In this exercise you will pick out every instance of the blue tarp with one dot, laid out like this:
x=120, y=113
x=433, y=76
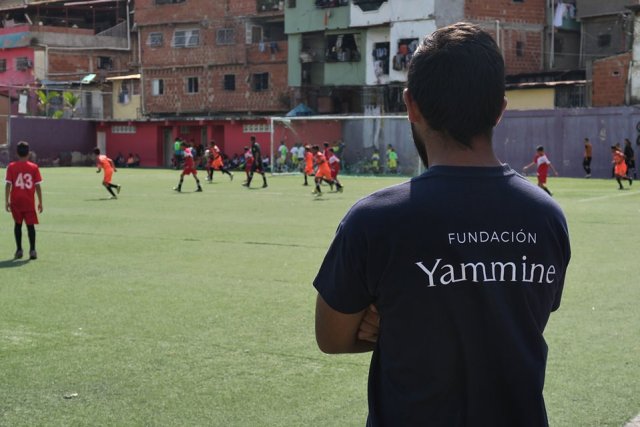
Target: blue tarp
x=301, y=110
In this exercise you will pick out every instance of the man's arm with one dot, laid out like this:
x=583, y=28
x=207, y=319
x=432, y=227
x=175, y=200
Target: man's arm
x=39, y=194
x=7, y=191
x=338, y=332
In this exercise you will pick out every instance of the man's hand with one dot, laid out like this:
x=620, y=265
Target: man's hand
x=39, y=207
x=370, y=325
x=7, y=206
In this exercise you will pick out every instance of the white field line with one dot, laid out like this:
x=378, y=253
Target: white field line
x=609, y=196
x=634, y=422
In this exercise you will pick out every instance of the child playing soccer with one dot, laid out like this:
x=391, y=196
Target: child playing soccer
x=22, y=181
x=542, y=162
x=106, y=164
x=188, y=168
x=620, y=167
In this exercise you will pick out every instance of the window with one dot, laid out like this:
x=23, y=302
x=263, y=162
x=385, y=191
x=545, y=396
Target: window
x=519, y=49
x=255, y=128
x=402, y=57
x=331, y=3
x=342, y=48
x=229, y=82
x=159, y=2
x=23, y=63
x=225, y=36
x=123, y=129
x=155, y=40
x=604, y=40
x=260, y=81
x=291, y=4
x=157, y=87
x=381, y=53
x=3, y=65
x=368, y=5
x=192, y=85
x=268, y=5
x=186, y=38
x=105, y=63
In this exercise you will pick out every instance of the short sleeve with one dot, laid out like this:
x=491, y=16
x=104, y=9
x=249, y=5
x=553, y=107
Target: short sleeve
x=9, y=176
x=341, y=280
x=37, y=177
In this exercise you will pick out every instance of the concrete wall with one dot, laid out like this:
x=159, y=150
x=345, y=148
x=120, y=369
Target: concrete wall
x=407, y=30
x=306, y=17
x=52, y=139
x=375, y=35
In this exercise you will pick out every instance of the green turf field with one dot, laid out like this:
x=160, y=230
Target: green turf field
x=187, y=309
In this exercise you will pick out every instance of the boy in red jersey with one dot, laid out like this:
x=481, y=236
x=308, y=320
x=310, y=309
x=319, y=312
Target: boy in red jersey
x=323, y=172
x=106, y=164
x=620, y=166
x=248, y=163
x=334, y=165
x=188, y=168
x=22, y=182
x=543, y=163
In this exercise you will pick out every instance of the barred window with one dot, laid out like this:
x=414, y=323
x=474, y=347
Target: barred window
x=225, y=36
x=186, y=38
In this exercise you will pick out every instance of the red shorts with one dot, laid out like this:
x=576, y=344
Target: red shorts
x=542, y=178
x=189, y=171
x=29, y=217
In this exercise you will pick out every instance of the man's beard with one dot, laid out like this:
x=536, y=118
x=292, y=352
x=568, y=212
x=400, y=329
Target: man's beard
x=419, y=143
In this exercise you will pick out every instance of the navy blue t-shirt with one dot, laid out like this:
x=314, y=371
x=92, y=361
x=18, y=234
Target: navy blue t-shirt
x=464, y=264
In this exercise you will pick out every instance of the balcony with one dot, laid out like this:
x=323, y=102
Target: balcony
x=270, y=5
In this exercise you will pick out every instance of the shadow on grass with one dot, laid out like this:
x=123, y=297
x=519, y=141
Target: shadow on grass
x=104, y=199
x=13, y=263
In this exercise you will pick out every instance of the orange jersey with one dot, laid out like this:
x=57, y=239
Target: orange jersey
x=323, y=165
x=308, y=163
x=104, y=162
x=216, y=162
x=618, y=157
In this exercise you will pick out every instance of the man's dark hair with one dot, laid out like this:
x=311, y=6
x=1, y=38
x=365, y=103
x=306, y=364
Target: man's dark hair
x=456, y=77
x=22, y=149
x=96, y=151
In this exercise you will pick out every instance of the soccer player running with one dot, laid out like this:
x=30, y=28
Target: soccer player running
x=453, y=298
x=308, y=163
x=188, y=168
x=256, y=167
x=323, y=172
x=619, y=167
x=22, y=182
x=105, y=164
x=543, y=164
x=586, y=160
x=216, y=163
x=334, y=166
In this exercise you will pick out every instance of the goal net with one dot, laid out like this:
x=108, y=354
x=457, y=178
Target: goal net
x=366, y=145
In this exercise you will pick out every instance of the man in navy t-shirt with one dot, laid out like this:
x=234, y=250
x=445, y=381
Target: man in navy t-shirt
x=451, y=277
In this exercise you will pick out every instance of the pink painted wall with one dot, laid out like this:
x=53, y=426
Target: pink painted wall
x=14, y=77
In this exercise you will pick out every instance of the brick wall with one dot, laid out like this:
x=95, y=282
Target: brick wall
x=211, y=60
x=610, y=80
x=73, y=65
x=521, y=30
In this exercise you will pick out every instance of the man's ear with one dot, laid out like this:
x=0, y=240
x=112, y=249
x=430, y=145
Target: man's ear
x=504, y=107
x=412, y=108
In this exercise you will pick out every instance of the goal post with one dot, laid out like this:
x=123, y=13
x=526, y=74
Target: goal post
x=357, y=140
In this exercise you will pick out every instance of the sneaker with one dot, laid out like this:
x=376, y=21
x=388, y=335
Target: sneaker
x=18, y=254
x=113, y=197
x=231, y=177
x=33, y=255
x=245, y=184
x=176, y=189
x=340, y=189
x=118, y=189
x=588, y=175
x=199, y=189
x=264, y=185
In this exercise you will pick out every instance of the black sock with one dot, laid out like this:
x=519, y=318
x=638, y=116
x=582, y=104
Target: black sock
x=112, y=185
x=31, y=232
x=264, y=179
x=619, y=182
x=547, y=190
x=108, y=187
x=17, y=232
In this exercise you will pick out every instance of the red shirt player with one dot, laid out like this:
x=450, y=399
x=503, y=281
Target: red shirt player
x=248, y=162
x=22, y=182
x=543, y=164
x=188, y=168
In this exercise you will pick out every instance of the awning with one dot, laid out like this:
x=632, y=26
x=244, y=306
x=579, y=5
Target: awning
x=127, y=77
